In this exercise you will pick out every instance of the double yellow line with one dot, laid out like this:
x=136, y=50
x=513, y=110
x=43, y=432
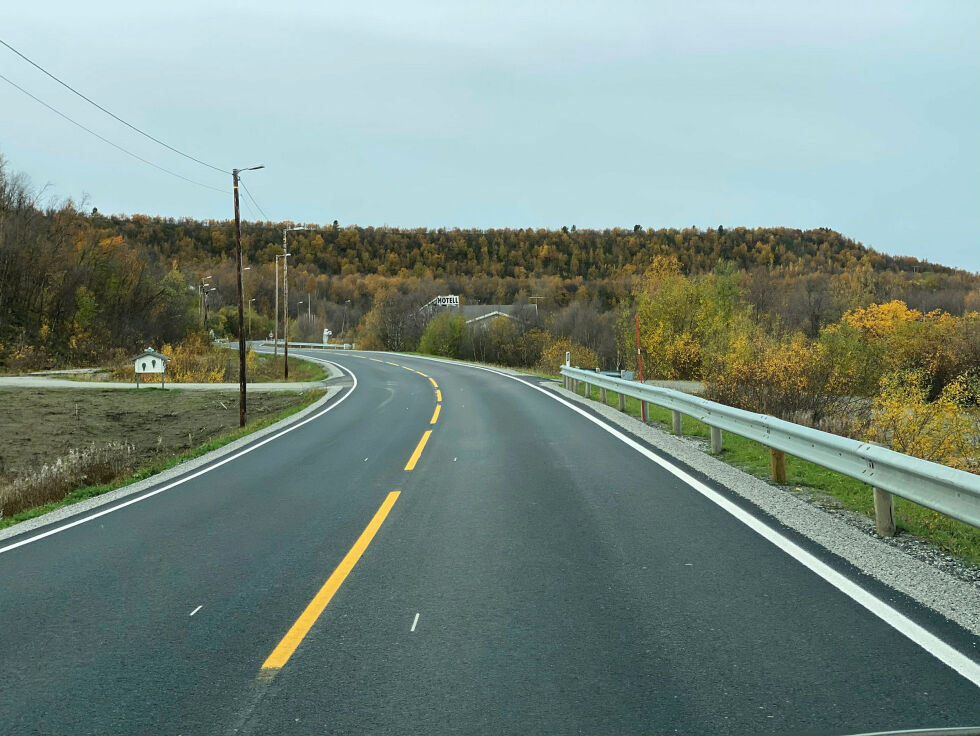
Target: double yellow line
x=298, y=631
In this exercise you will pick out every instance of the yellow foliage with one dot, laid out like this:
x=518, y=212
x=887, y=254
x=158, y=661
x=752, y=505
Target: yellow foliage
x=880, y=320
x=195, y=360
x=553, y=356
x=902, y=418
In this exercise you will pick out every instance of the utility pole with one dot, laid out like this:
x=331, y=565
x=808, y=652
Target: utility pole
x=241, y=299
x=285, y=303
x=275, y=339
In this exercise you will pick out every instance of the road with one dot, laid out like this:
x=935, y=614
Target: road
x=531, y=573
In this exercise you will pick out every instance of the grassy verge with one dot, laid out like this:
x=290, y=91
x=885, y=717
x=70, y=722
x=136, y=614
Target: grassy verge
x=950, y=535
x=161, y=464
x=268, y=369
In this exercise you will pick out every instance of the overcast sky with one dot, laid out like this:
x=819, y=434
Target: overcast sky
x=859, y=116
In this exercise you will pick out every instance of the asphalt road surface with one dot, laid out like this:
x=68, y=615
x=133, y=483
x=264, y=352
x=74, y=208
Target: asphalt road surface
x=531, y=573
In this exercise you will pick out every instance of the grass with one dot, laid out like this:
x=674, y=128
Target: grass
x=158, y=466
x=268, y=369
x=952, y=536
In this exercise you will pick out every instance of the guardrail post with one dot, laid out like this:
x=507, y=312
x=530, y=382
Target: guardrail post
x=643, y=410
x=676, y=417
x=588, y=390
x=715, y=440
x=602, y=394
x=622, y=401
x=777, y=461
x=884, y=512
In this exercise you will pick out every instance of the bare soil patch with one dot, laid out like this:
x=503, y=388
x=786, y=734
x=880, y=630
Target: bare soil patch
x=38, y=426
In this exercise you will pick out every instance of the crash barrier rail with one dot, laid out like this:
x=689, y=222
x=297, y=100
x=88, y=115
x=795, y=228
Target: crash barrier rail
x=314, y=345
x=952, y=492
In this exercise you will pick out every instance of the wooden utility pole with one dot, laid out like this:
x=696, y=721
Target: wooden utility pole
x=241, y=312
x=242, y=414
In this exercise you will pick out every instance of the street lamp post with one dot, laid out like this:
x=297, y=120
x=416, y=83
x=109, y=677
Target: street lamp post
x=206, y=292
x=275, y=340
x=285, y=302
x=201, y=291
x=241, y=298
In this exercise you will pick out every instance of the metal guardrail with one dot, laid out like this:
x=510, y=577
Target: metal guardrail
x=952, y=492
x=315, y=345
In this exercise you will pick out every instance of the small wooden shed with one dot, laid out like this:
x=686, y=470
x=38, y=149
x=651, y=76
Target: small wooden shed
x=150, y=361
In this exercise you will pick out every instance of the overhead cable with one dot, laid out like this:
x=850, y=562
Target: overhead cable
x=242, y=184
x=110, y=114
x=106, y=140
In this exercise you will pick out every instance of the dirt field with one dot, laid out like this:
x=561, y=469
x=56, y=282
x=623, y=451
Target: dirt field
x=38, y=426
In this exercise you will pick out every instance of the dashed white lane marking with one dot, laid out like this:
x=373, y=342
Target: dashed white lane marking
x=415, y=622
x=196, y=610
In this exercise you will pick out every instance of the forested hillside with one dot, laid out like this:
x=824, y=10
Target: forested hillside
x=75, y=284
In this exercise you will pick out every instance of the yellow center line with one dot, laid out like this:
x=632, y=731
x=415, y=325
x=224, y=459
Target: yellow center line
x=434, y=384
x=418, y=450
x=376, y=360
x=408, y=369
x=394, y=364
x=284, y=650
x=438, y=395
x=435, y=414
x=424, y=375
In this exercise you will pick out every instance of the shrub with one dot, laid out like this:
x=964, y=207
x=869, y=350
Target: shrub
x=553, y=356
x=443, y=335
x=86, y=467
x=903, y=419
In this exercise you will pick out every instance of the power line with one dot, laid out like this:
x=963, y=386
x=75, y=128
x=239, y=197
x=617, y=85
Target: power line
x=242, y=185
x=107, y=112
x=106, y=140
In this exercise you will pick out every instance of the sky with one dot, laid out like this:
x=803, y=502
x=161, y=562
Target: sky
x=859, y=116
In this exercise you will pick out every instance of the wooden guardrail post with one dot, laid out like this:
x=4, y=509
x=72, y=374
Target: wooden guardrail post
x=716, y=440
x=676, y=421
x=777, y=461
x=884, y=512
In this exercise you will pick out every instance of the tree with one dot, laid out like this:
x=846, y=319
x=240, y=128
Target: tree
x=443, y=335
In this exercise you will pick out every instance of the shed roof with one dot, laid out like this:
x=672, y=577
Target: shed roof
x=149, y=353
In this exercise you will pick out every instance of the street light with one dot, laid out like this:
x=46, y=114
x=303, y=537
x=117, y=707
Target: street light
x=200, y=295
x=205, y=296
x=285, y=302
x=241, y=297
x=275, y=340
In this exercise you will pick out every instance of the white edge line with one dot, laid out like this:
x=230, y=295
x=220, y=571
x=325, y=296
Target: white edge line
x=197, y=474
x=935, y=646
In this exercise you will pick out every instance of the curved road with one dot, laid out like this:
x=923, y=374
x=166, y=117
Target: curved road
x=531, y=573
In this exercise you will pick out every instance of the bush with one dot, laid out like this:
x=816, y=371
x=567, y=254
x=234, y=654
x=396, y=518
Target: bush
x=553, y=356
x=443, y=335
x=903, y=419
x=86, y=467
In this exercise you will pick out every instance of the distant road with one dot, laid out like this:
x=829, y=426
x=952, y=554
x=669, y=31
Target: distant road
x=518, y=570
x=42, y=382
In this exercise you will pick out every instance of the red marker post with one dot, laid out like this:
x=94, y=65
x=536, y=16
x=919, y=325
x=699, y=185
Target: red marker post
x=639, y=365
